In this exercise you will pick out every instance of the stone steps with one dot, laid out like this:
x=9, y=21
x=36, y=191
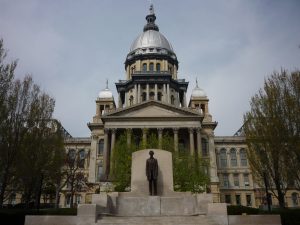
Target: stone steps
x=159, y=220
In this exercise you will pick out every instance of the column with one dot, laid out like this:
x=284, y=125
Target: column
x=199, y=143
x=105, y=154
x=136, y=94
x=164, y=93
x=120, y=105
x=192, y=148
x=168, y=93
x=112, y=145
x=160, y=133
x=139, y=94
x=184, y=99
x=128, y=132
x=155, y=92
x=147, y=92
x=175, y=131
x=145, y=136
x=212, y=158
x=126, y=99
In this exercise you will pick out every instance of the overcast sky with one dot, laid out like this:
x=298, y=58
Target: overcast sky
x=71, y=47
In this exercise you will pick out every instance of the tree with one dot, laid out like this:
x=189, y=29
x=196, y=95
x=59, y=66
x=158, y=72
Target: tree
x=272, y=130
x=74, y=176
x=28, y=143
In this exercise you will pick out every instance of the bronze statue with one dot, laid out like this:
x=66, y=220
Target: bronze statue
x=152, y=173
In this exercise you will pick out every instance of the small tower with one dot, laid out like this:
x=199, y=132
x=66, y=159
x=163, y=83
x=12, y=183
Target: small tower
x=199, y=100
x=104, y=104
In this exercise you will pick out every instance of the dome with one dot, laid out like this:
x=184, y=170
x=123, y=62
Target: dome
x=198, y=92
x=151, y=39
x=106, y=93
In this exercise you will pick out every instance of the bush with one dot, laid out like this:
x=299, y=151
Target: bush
x=288, y=216
x=239, y=210
x=17, y=216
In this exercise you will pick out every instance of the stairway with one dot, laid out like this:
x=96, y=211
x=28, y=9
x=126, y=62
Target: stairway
x=159, y=220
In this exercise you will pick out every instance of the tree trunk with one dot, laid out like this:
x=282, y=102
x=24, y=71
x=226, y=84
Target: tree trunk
x=3, y=186
x=38, y=192
x=2, y=191
x=57, y=190
x=72, y=195
x=280, y=194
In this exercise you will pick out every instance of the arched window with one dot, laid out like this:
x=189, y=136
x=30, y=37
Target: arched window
x=131, y=100
x=233, y=159
x=100, y=147
x=223, y=158
x=151, y=67
x=172, y=100
x=159, y=96
x=151, y=95
x=72, y=154
x=144, y=67
x=158, y=67
x=144, y=96
x=295, y=199
x=81, y=158
x=243, y=156
x=204, y=147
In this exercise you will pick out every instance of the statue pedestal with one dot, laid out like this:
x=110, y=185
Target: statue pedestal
x=181, y=205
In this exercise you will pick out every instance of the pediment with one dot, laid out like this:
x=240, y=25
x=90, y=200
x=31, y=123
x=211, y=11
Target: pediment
x=153, y=109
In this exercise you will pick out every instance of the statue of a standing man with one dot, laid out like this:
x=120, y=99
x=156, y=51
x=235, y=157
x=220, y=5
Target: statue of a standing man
x=152, y=173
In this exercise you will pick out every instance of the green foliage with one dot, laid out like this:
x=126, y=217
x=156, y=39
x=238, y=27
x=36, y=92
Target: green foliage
x=189, y=173
x=121, y=163
x=239, y=210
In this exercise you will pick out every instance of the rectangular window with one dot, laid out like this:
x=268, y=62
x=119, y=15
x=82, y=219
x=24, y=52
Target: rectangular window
x=246, y=180
x=99, y=172
x=238, y=199
x=248, y=199
x=225, y=180
x=236, y=180
x=100, y=147
x=228, y=199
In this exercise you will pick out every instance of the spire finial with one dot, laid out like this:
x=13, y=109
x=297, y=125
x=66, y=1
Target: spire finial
x=151, y=9
x=197, y=82
x=151, y=19
x=106, y=83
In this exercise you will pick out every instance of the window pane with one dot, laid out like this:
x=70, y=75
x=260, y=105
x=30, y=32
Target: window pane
x=228, y=199
x=223, y=158
x=233, y=159
x=101, y=147
x=144, y=67
x=236, y=180
x=225, y=180
x=246, y=180
x=248, y=199
x=151, y=67
x=243, y=156
x=238, y=199
x=158, y=67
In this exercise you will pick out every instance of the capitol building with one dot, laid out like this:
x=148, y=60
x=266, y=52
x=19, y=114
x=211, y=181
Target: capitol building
x=152, y=99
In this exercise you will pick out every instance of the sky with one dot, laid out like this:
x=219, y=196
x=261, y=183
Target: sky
x=71, y=47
